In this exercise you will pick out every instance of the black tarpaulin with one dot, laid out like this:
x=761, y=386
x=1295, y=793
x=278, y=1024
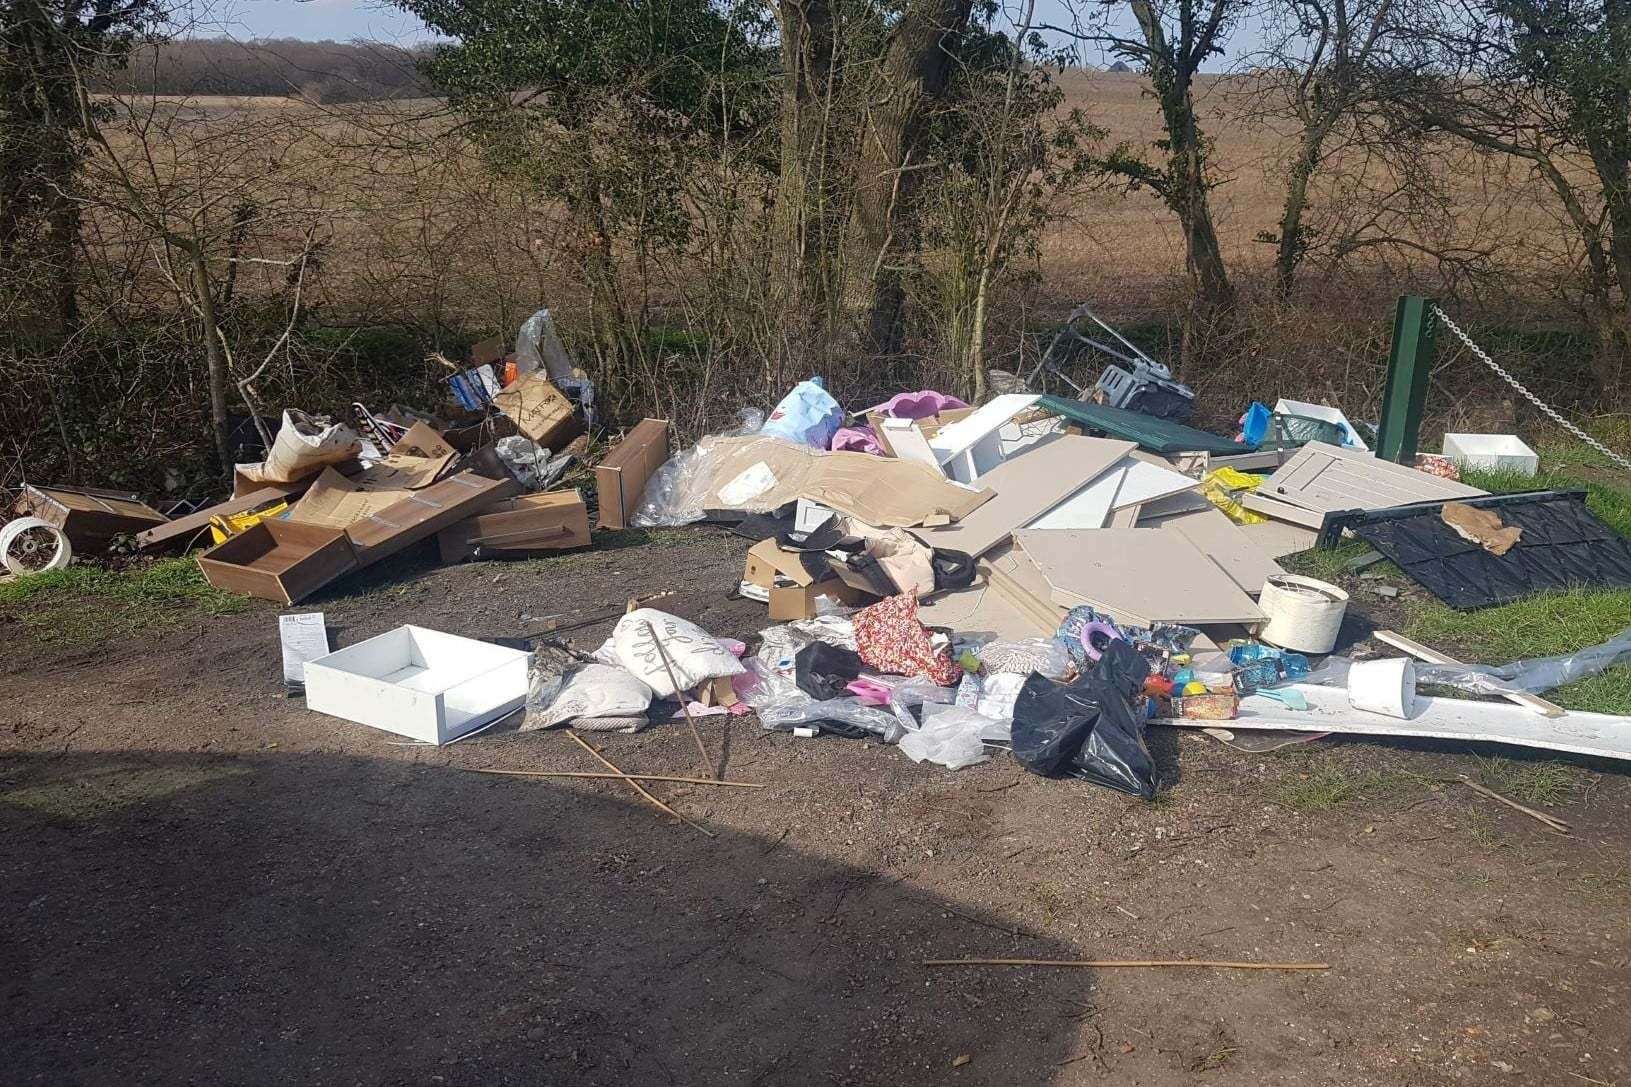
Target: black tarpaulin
x=1563, y=546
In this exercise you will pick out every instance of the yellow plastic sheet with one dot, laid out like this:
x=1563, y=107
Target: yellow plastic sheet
x=223, y=528
x=1221, y=486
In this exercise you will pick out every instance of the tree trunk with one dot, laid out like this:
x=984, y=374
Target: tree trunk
x=204, y=294
x=801, y=245
x=1292, y=243
x=914, y=73
x=1212, y=299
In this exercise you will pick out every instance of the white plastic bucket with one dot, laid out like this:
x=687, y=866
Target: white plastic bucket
x=1304, y=614
x=1383, y=686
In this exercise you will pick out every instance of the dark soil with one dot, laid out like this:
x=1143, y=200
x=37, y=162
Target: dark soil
x=203, y=882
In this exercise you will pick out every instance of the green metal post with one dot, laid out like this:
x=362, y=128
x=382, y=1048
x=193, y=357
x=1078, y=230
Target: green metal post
x=1409, y=365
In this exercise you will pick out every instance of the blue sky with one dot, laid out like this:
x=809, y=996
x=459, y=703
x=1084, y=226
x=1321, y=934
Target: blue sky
x=374, y=20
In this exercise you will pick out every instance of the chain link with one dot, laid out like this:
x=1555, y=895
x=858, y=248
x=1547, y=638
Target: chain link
x=1505, y=375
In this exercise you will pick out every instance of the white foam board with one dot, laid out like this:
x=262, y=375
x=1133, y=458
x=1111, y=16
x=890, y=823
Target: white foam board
x=1601, y=734
x=420, y=683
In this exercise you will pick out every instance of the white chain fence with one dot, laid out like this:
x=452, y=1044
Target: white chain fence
x=1505, y=375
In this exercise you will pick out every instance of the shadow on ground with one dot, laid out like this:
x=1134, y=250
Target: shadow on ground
x=316, y=918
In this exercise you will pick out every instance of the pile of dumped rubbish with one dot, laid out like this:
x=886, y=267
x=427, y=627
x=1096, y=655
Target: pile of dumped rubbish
x=1035, y=574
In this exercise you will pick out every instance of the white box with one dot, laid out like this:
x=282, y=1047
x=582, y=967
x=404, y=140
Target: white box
x=1325, y=413
x=419, y=683
x=1492, y=452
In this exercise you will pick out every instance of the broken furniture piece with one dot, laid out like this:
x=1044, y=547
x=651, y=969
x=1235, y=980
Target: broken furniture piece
x=419, y=683
x=518, y=528
x=90, y=517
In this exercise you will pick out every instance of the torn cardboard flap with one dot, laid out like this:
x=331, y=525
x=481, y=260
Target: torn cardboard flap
x=539, y=409
x=766, y=562
x=414, y=462
x=334, y=501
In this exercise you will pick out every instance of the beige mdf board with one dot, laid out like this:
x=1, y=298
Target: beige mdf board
x=1278, y=539
x=1026, y=486
x=1222, y=541
x=279, y=560
x=1326, y=478
x=620, y=478
x=1142, y=574
x=424, y=513
x=1282, y=511
x=514, y=527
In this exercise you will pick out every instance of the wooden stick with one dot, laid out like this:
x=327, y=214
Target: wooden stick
x=636, y=786
x=696, y=734
x=1433, y=656
x=1551, y=821
x=1210, y=964
x=628, y=777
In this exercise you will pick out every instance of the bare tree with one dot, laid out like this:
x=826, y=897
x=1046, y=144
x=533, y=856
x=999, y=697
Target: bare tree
x=1170, y=40
x=1547, y=83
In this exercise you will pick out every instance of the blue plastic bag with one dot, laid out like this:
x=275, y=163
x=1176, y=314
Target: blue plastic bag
x=807, y=415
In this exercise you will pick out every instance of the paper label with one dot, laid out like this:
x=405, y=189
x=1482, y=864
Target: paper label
x=305, y=638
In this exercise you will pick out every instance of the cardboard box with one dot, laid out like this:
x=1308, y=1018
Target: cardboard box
x=794, y=581
x=90, y=517
x=424, y=513
x=800, y=601
x=930, y=425
x=282, y=561
x=419, y=683
x=620, y=479
x=540, y=410
x=516, y=527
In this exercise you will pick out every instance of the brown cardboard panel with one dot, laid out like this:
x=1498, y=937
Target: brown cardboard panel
x=90, y=517
x=424, y=513
x=337, y=502
x=552, y=521
x=278, y=560
x=620, y=478
x=540, y=410
x=1025, y=486
x=414, y=462
x=1144, y=575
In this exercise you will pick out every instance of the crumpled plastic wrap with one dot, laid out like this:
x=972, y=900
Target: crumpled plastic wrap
x=673, y=495
x=950, y=736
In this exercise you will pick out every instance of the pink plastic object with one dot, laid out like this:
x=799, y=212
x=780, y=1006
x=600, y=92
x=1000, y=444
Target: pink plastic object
x=919, y=405
x=856, y=439
x=869, y=691
x=1110, y=634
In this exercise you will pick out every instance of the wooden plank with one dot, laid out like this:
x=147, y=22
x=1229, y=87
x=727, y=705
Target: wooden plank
x=1281, y=511
x=199, y=520
x=1433, y=656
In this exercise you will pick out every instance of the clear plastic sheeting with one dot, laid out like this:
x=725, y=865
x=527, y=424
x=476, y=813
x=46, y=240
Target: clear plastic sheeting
x=1534, y=676
x=538, y=347
x=673, y=495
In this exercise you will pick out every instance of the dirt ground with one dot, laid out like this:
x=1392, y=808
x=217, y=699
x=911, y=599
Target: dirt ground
x=203, y=882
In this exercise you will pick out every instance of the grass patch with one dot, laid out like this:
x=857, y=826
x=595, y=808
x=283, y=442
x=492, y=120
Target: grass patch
x=1325, y=784
x=1540, y=626
x=86, y=603
x=1545, y=783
